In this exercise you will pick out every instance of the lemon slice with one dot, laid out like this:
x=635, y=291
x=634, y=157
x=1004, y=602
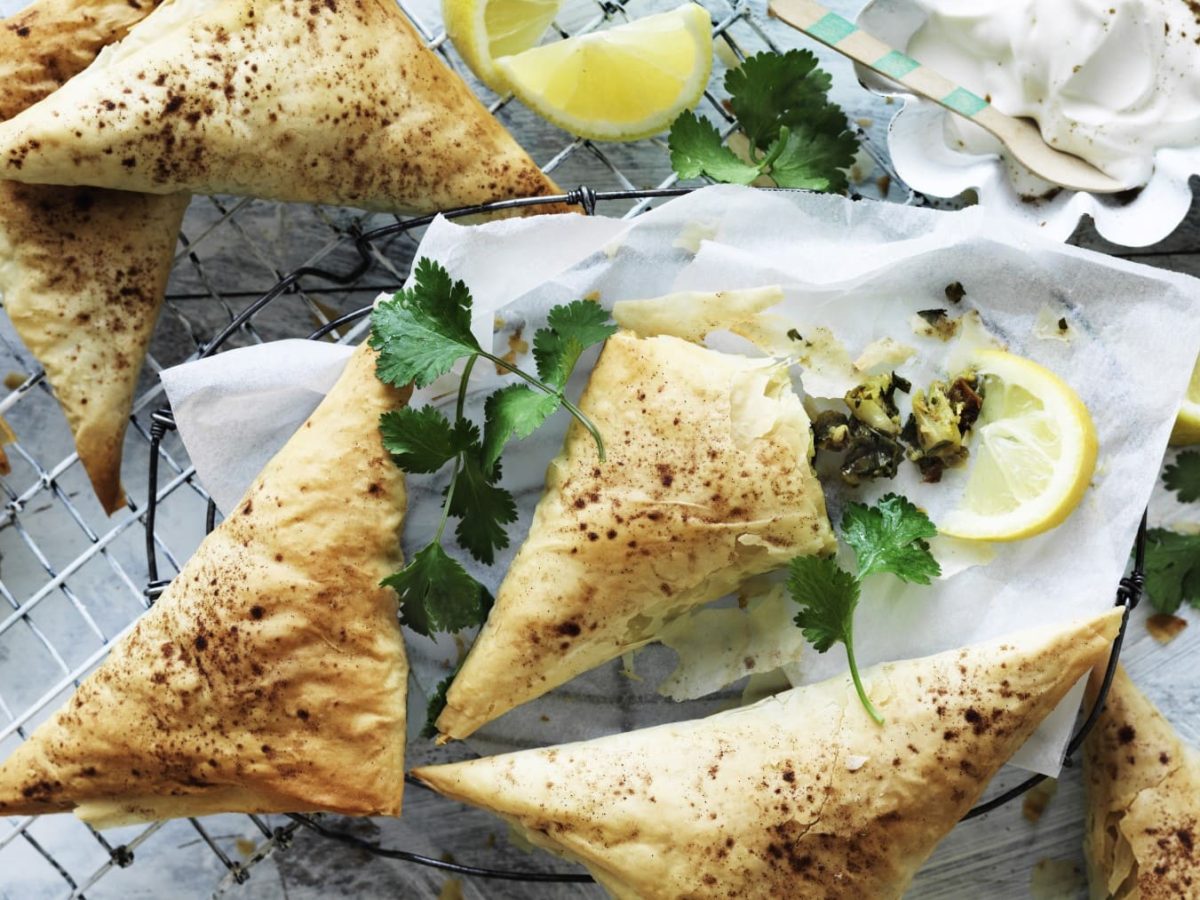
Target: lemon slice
x=622, y=84
x=1187, y=422
x=1032, y=455
x=483, y=30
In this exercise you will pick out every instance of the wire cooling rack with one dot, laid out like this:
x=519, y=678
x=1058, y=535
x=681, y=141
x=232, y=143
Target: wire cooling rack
x=72, y=580
x=279, y=836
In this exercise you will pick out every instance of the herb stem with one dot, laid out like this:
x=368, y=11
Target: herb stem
x=458, y=458
x=776, y=150
x=574, y=410
x=587, y=423
x=858, y=685
x=461, y=403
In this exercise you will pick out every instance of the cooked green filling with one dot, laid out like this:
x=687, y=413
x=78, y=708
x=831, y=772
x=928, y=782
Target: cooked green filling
x=941, y=419
x=874, y=443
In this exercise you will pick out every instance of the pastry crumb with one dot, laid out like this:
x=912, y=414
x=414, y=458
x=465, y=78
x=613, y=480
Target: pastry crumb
x=885, y=352
x=1052, y=325
x=1038, y=798
x=1054, y=879
x=934, y=323
x=1164, y=627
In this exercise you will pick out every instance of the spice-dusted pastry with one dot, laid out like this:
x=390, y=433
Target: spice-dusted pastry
x=800, y=795
x=270, y=676
x=707, y=482
x=335, y=102
x=1143, y=822
x=82, y=271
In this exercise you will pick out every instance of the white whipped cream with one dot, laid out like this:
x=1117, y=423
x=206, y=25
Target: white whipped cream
x=1111, y=81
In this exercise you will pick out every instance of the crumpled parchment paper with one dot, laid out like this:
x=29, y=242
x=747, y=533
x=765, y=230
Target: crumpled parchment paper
x=860, y=270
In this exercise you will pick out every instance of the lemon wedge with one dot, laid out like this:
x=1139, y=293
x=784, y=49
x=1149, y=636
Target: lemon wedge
x=1187, y=422
x=1032, y=456
x=621, y=84
x=483, y=30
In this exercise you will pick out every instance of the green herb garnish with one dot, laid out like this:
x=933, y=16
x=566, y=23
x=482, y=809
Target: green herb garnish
x=1172, y=569
x=437, y=703
x=420, y=334
x=1183, y=476
x=891, y=536
x=796, y=136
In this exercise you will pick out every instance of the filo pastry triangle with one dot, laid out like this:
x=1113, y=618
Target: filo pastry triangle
x=82, y=271
x=335, y=102
x=1143, y=783
x=707, y=482
x=801, y=795
x=271, y=674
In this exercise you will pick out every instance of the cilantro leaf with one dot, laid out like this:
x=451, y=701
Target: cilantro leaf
x=437, y=594
x=827, y=595
x=422, y=331
x=437, y=702
x=1183, y=476
x=514, y=411
x=782, y=107
x=696, y=150
x=1172, y=569
x=891, y=537
x=421, y=440
x=483, y=509
x=773, y=89
x=570, y=329
x=887, y=537
x=812, y=159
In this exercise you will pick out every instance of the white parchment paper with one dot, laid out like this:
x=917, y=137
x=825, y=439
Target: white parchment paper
x=859, y=269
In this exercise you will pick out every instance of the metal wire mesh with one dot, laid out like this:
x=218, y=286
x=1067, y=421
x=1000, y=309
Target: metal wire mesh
x=72, y=581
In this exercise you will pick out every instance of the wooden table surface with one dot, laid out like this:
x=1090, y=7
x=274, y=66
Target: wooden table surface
x=991, y=857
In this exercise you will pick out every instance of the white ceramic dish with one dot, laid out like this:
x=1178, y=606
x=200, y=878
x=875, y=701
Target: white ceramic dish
x=926, y=163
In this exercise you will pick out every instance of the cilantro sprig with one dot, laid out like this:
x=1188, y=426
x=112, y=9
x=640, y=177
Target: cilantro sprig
x=1172, y=557
x=1183, y=476
x=420, y=334
x=1172, y=569
x=796, y=136
x=891, y=536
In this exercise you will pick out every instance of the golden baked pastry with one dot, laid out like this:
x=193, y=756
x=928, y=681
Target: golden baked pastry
x=800, y=795
x=1143, y=820
x=335, y=102
x=271, y=674
x=708, y=481
x=49, y=41
x=82, y=271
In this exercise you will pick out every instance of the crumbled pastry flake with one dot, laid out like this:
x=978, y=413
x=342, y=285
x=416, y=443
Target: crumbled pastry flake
x=691, y=315
x=716, y=647
x=1052, y=325
x=935, y=323
x=693, y=234
x=1038, y=798
x=884, y=353
x=1164, y=627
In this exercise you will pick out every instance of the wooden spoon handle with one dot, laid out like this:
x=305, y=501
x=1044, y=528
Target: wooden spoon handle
x=848, y=39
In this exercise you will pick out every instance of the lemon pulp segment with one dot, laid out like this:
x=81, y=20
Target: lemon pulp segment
x=1187, y=422
x=1033, y=454
x=623, y=83
x=484, y=30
